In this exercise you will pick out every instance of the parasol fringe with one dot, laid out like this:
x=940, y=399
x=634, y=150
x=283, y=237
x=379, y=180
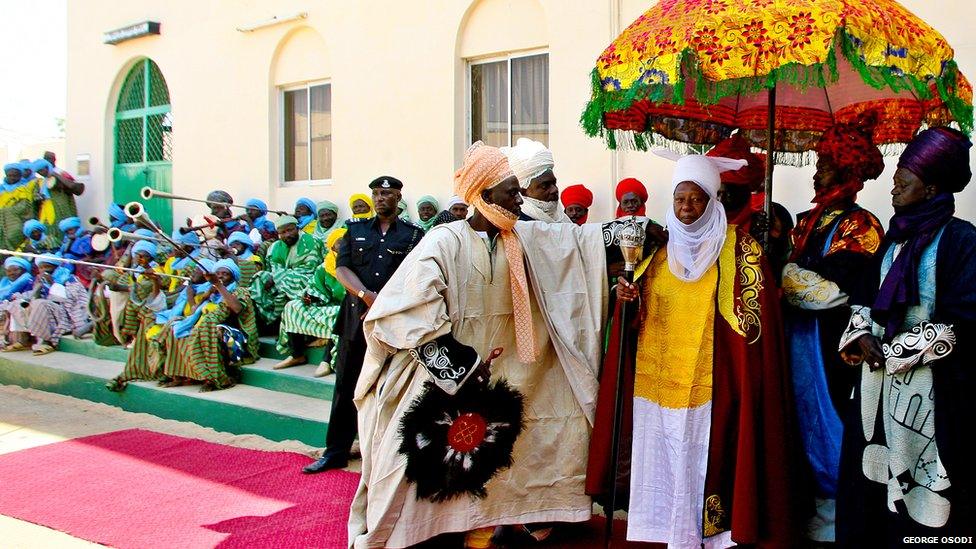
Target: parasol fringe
x=605, y=100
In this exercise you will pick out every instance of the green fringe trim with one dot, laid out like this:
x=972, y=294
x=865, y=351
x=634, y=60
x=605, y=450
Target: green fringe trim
x=795, y=74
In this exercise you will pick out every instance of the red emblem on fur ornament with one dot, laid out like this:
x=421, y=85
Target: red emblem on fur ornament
x=467, y=432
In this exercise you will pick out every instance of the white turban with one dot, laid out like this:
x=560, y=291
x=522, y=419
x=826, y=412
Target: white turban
x=454, y=201
x=694, y=248
x=528, y=159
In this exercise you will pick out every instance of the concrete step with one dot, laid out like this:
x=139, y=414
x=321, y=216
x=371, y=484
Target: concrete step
x=297, y=380
x=241, y=409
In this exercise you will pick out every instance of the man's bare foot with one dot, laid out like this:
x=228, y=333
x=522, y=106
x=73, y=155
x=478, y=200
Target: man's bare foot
x=289, y=362
x=321, y=342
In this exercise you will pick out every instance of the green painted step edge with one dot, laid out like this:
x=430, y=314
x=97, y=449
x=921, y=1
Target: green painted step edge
x=256, y=377
x=222, y=416
x=286, y=383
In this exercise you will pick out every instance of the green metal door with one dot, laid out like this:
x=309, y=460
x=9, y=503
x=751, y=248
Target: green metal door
x=144, y=141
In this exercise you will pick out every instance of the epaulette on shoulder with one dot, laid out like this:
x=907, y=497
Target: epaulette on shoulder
x=357, y=220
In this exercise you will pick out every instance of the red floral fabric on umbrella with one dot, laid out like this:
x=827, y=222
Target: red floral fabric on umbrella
x=693, y=71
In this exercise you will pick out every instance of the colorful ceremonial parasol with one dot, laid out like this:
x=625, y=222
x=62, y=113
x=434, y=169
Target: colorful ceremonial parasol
x=690, y=72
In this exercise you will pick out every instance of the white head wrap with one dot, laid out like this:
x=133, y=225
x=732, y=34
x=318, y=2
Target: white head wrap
x=694, y=248
x=454, y=201
x=528, y=159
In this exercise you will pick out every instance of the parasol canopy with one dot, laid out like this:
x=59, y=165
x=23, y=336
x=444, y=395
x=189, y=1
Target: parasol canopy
x=691, y=72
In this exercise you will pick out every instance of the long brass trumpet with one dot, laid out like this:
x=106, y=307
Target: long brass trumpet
x=148, y=192
x=86, y=263
x=191, y=228
x=138, y=214
x=117, y=235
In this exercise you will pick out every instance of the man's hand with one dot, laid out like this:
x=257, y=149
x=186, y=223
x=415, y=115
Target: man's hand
x=870, y=348
x=482, y=374
x=269, y=284
x=306, y=299
x=626, y=291
x=369, y=297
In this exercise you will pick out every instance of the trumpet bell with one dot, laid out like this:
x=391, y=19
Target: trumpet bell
x=114, y=234
x=135, y=210
x=94, y=221
x=100, y=242
x=146, y=193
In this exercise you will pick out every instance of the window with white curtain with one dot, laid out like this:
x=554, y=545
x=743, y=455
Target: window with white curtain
x=306, y=134
x=509, y=99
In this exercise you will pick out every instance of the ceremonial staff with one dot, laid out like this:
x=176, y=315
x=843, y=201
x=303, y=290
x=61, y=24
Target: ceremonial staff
x=630, y=238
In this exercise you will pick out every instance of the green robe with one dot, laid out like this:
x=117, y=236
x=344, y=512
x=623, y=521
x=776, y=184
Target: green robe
x=16, y=207
x=64, y=207
x=317, y=319
x=291, y=269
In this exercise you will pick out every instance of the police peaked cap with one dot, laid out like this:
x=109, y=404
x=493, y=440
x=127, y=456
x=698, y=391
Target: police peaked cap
x=386, y=182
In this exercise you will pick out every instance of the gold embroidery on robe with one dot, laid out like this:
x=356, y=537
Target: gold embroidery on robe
x=713, y=516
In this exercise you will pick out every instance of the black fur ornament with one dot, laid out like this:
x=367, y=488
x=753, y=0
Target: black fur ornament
x=455, y=444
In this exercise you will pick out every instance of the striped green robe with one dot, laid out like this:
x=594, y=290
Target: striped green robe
x=64, y=207
x=199, y=356
x=249, y=267
x=291, y=269
x=316, y=320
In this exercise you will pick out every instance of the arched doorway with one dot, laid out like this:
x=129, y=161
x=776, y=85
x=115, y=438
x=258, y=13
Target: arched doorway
x=144, y=140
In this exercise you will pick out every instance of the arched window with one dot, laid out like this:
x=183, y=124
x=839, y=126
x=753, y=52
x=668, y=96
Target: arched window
x=300, y=74
x=144, y=140
x=507, y=72
x=144, y=123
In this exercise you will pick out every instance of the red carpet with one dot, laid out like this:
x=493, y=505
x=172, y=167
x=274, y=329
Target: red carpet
x=146, y=490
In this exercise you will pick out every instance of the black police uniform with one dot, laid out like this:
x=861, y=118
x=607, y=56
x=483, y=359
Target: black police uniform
x=374, y=257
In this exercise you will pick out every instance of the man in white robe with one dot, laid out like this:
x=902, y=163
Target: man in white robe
x=468, y=279
x=533, y=165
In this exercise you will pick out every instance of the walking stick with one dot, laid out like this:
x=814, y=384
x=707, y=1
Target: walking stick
x=631, y=241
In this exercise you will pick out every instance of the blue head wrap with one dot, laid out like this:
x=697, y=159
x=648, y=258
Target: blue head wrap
x=208, y=264
x=15, y=261
x=146, y=247
x=32, y=225
x=47, y=259
x=41, y=164
x=231, y=267
x=117, y=216
x=305, y=219
x=259, y=204
x=145, y=233
x=12, y=166
x=26, y=166
x=189, y=239
x=69, y=223
x=240, y=238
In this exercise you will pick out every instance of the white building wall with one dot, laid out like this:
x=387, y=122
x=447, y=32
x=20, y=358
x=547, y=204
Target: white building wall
x=398, y=77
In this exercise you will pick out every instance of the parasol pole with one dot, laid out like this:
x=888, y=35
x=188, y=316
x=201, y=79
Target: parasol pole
x=771, y=151
x=618, y=413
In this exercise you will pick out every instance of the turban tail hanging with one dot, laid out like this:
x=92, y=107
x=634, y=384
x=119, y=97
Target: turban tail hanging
x=484, y=167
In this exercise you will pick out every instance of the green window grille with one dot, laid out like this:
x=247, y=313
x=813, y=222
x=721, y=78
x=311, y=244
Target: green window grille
x=144, y=123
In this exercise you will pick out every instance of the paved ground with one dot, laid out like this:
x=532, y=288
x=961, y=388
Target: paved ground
x=30, y=418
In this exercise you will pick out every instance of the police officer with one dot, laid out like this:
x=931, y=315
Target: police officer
x=369, y=254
